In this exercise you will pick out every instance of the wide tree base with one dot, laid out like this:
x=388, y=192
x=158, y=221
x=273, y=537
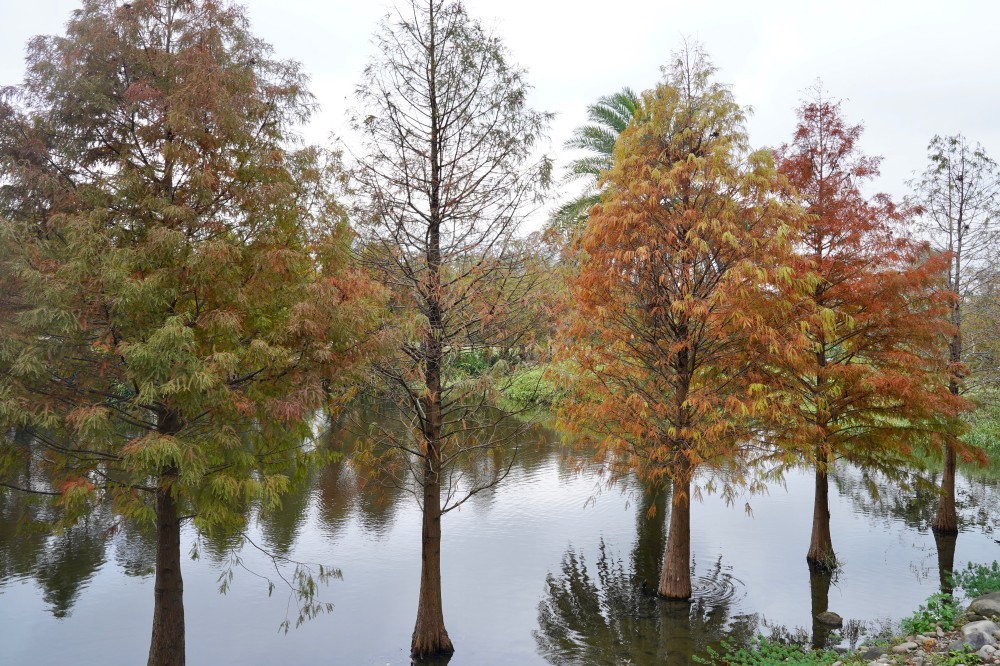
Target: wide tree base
x=675, y=588
x=949, y=529
x=432, y=649
x=821, y=562
x=946, y=518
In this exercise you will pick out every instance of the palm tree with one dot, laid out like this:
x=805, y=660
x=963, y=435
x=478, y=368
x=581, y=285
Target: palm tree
x=608, y=116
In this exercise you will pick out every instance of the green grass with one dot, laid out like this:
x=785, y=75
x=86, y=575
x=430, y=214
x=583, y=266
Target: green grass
x=984, y=426
x=530, y=388
x=764, y=652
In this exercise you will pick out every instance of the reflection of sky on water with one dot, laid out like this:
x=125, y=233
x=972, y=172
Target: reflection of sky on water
x=499, y=551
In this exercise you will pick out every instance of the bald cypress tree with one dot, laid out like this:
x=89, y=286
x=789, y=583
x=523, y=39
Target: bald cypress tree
x=171, y=325
x=447, y=175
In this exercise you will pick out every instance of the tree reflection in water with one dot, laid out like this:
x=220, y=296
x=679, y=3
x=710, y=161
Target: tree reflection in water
x=912, y=499
x=611, y=615
x=62, y=564
x=820, y=579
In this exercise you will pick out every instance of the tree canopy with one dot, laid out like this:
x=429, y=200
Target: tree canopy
x=172, y=330
x=672, y=294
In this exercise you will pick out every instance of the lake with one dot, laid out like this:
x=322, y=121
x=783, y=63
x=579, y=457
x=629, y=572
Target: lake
x=551, y=567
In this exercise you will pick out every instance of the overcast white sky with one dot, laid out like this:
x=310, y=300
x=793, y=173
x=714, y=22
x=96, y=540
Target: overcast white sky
x=907, y=69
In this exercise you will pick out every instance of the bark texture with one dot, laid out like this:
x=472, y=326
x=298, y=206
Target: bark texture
x=167, y=645
x=430, y=638
x=821, y=555
x=946, y=520
x=675, y=578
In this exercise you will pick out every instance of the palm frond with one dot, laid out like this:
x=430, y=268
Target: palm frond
x=609, y=116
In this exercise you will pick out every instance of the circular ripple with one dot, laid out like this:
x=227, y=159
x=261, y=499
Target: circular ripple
x=717, y=586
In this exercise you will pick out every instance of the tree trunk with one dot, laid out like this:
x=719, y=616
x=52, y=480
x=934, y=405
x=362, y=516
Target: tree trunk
x=430, y=638
x=821, y=555
x=675, y=578
x=946, y=520
x=167, y=645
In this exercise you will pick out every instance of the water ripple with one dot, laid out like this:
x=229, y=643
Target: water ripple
x=717, y=587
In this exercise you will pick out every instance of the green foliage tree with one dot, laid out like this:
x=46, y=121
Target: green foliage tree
x=447, y=175
x=172, y=330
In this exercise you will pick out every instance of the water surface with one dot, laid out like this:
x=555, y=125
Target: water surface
x=548, y=568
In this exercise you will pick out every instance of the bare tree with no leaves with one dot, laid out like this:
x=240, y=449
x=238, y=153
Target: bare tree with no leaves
x=446, y=177
x=959, y=194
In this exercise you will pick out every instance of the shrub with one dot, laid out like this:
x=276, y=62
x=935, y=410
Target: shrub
x=765, y=652
x=939, y=609
x=978, y=579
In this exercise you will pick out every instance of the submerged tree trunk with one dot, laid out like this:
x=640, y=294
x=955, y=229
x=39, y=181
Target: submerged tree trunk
x=821, y=555
x=430, y=638
x=675, y=578
x=167, y=645
x=946, y=520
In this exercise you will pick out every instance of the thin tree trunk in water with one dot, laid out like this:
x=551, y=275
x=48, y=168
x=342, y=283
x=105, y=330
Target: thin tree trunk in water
x=821, y=555
x=430, y=638
x=675, y=578
x=167, y=645
x=946, y=520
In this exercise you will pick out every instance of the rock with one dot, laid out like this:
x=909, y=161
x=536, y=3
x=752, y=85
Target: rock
x=920, y=638
x=837, y=663
x=874, y=652
x=987, y=605
x=830, y=618
x=956, y=646
x=903, y=648
x=978, y=634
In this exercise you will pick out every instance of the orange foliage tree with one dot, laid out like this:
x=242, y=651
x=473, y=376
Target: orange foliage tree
x=871, y=379
x=672, y=296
